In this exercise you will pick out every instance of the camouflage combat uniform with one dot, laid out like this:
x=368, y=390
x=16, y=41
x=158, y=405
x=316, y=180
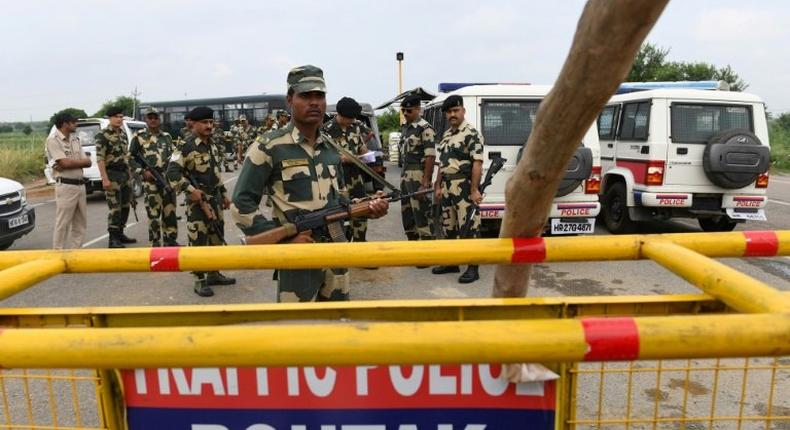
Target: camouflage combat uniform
x=295, y=176
x=201, y=160
x=458, y=149
x=416, y=144
x=111, y=147
x=353, y=140
x=243, y=139
x=159, y=204
x=218, y=137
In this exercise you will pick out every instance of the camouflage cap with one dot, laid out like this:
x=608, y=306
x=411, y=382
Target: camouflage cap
x=151, y=111
x=307, y=78
x=242, y=117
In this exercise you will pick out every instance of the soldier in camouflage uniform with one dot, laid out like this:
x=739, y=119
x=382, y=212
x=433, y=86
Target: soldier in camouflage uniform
x=350, y=134
x=457, y=185
x=243, y=138
x=417, y=147
x=112, y=157
x=282, y=118
x=266, y=126
x=198, y=157
x=185, y=131
x=156, y=146
x=298, y=169
x=219, y=138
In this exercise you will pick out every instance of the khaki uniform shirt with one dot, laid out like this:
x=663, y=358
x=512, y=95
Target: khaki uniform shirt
x=59, y=147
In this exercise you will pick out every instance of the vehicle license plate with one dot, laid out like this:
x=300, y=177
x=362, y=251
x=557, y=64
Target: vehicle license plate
x=18, y=221
x=758, y=215
x=560, y=226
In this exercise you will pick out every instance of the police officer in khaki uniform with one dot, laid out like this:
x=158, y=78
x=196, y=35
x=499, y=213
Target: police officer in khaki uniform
x=458, y=182
x=195, y=169
x=112, y=157
x=71, y=212
x=298, y=169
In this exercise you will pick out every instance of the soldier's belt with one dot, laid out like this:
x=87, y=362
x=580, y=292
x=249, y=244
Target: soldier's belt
x=453, y=176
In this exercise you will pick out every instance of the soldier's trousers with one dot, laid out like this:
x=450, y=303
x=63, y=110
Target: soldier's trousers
x=359, y=226
x=161, y=209
x=312, y=285
x=415, y=213
x=119, y=199
x=199, y=232
x=456, y=207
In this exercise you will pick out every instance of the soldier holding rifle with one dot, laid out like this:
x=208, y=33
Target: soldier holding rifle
x=298, y=167
x=195, y=168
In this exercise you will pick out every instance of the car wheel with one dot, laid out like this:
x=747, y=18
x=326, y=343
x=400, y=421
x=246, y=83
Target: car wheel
x=137, y=186
x=615, y=210
x=5, y=245
x=722, y=223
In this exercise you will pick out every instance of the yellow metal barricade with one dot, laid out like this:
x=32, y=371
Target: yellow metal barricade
x=681, y=367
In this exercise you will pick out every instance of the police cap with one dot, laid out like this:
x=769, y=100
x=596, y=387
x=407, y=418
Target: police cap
x=451, y=102
x=410, y=101
x=200, y=113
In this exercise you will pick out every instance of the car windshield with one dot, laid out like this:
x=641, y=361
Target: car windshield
x=698, y=123
x=87, y=133
x=508, y=122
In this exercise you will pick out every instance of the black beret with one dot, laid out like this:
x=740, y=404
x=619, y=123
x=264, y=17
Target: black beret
x=410, y=101
x=114, y=110
x=348, y=107
x=451, y=102
x=200, y=113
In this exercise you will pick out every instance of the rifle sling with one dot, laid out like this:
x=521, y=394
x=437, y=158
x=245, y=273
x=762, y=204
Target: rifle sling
x=362, y=166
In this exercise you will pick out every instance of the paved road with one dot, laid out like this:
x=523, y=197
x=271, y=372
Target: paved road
x=594, y=278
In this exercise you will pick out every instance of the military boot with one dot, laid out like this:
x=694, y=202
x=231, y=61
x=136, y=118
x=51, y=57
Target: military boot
x=440, y=270
x=202, y=289
x=126, y=239
x=115, y=241
x=216, y=278
x=470, y=275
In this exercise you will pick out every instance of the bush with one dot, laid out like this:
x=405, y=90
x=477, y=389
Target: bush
x=27, y=130
x=6, y=129
x=389, y=120
x=780, y=146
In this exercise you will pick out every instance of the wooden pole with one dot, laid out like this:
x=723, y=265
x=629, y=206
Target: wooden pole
x=607, y=38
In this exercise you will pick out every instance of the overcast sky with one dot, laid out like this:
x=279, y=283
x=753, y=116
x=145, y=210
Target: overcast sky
x=58, y=54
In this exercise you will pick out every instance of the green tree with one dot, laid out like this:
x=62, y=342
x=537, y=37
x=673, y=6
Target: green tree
x=124, y=102
x=76, y=113
x=27, y=130
x=5, y=128
x=650, y=65
x=389, y=120
x=784, y=121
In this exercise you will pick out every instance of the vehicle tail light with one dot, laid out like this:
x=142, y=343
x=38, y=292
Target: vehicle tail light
x=593, y=184
x=655, y=173
x=762, y=181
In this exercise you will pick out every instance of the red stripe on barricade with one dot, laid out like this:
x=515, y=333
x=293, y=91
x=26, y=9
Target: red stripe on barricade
x=164, y=259
x=611, y=339
x=761, y=244
x=528, y=250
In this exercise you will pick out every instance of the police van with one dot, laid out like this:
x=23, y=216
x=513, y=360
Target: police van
x=504, y=114
x=87, y=129
x=683, y=149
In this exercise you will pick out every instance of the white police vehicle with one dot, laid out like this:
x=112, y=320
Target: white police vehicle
x=683, y=149
x=87, y=129
x=505, y=114
x=17, y=218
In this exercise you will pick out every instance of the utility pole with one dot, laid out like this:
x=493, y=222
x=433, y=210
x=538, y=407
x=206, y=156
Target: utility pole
x=399, y=58
x=135, y=94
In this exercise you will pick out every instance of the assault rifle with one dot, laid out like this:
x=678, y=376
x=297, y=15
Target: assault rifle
x=208, y=206
x=160, y=180
x=496, y=166
x=321, y=220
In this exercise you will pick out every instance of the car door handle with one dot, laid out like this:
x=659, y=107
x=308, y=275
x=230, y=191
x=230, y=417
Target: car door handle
x=610, y=145
x=682, y=151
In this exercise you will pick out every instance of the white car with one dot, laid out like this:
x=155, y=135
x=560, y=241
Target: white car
x=86, y=131
x=504, y=114
x=17, y=218
x=678, y=152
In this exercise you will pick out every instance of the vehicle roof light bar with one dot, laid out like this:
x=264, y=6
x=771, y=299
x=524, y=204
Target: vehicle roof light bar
x=630, y=87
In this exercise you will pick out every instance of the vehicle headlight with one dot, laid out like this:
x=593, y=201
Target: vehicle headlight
x=23, y=196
